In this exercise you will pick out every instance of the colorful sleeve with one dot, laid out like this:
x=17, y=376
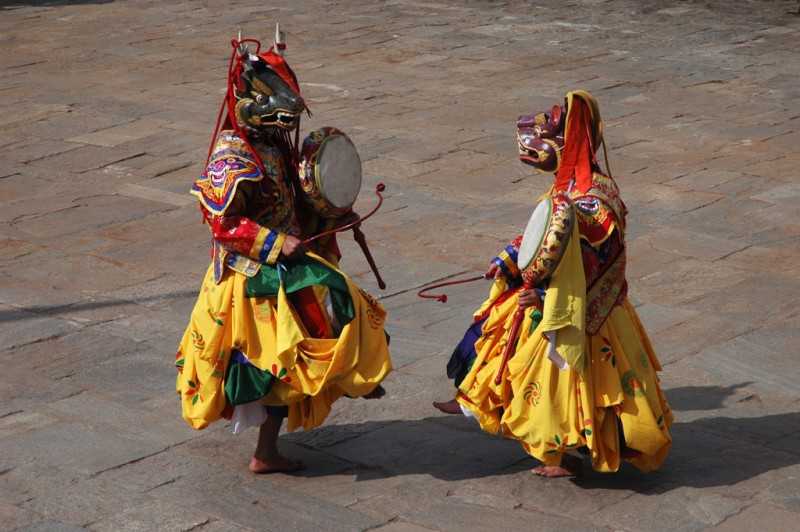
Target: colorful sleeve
x=242, y=235
x=231, y=165
x=506, y=260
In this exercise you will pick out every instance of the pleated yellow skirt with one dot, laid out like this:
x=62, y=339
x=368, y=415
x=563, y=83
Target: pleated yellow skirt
x=311, y=373
x=550, y=411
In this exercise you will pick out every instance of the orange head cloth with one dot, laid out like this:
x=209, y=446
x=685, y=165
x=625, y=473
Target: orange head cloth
x=582, y=135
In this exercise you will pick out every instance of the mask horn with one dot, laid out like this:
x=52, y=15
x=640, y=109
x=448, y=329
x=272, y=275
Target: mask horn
x=242, y=47
x=280, y=39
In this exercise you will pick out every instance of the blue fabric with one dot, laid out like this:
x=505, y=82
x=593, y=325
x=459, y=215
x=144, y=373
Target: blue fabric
x=512, y=252
x=464, y=354
x=267, y=247
x=237, y=357
x=500, y=263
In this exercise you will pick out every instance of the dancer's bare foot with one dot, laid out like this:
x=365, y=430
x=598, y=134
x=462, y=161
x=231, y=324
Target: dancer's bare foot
x=570, y=467
x=448, y=407
x=377, y=393
x=267, y=458
x=278, y=464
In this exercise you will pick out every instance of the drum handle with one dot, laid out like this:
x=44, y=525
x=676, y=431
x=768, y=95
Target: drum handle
x=380, y=187
x=513, y=336
x=358, y=236
x=443, y=297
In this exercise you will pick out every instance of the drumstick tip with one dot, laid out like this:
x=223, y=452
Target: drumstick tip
x=380, y=187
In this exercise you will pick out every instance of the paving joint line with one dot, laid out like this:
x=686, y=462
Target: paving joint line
x=141, y=458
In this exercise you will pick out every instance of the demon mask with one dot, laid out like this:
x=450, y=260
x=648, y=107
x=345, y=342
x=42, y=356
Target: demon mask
x=540, y=139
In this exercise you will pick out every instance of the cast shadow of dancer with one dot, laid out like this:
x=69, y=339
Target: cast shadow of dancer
x=713, y=451
x=445, y=447
x=710, y=451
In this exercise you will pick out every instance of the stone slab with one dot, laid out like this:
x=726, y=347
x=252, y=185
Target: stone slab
x=760, y=516
x=116, y=135
x=19, y=327
x=681, y=509
x=155, y=515
x=103, y=250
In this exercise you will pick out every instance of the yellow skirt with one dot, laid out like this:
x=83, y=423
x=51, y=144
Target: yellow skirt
x=550, y=411
x=312, y=372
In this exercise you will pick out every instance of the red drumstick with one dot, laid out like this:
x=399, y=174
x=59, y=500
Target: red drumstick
x=380, y=187
x=443, y=297
x=513, y=336
x=358, y=235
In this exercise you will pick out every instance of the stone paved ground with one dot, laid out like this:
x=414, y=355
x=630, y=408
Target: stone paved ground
x=105, y=114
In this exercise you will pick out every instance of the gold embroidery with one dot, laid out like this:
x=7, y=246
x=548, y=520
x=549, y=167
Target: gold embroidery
x=604, y=294
x=375, y=312
x=198, y=342
x=263, y=310
x=532, y=393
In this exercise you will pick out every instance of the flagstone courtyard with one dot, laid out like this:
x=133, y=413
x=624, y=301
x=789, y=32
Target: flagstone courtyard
x=106, y=112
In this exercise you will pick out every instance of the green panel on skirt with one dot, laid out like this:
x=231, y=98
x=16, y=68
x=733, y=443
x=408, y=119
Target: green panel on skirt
x=302, y=273
x=244, y=382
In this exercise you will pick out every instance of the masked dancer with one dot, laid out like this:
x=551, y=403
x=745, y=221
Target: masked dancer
x=582, y=379
x=278, y=330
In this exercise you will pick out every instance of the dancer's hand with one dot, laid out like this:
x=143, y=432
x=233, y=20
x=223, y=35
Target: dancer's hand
x=528, y=298
x=292, y=247
x=494, y=271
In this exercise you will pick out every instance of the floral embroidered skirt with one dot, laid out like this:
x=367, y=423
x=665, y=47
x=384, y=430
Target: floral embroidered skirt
x=614, y=408
x=247, y=341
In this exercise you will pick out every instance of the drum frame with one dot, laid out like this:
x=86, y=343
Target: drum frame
x=308, y=173
x=554, y=240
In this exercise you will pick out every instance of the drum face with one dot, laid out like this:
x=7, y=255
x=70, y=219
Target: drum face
x=329, y=172
x=338, y=171
x=546, y=238
x=534, y=234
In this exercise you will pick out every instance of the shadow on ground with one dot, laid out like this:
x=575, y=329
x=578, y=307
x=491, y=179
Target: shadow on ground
x=448, y=448
x=715, y=452
x=708, y=452
x=35, y=311
x=701, y=397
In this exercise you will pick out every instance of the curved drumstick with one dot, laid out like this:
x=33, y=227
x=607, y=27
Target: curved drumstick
x=443, y=297
x=358, y=235
x=380, y=187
